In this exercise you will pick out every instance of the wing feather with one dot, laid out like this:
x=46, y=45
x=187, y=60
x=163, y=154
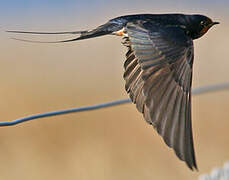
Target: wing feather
x=158, y=75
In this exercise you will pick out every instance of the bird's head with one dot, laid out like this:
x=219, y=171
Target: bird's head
x=198, y=25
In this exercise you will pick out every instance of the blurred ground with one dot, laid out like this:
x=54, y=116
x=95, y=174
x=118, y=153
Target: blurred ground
x=113, y=143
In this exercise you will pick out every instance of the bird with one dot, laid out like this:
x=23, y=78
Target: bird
x=157, y=70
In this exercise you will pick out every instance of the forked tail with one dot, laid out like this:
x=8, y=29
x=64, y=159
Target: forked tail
x=104, y=29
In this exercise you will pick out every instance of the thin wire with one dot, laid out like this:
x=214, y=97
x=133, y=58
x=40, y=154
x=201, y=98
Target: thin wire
x=201, y=90
x=210, y=88
x=65, y=111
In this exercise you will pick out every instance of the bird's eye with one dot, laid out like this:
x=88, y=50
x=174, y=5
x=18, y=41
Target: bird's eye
x=202, y=23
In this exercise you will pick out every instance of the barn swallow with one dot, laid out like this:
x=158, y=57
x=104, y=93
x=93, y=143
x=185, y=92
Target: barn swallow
x=158, y=70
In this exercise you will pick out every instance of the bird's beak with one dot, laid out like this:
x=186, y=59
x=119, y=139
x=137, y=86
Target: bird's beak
x=214, y=23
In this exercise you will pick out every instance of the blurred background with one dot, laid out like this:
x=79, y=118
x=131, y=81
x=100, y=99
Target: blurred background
x=113, y=143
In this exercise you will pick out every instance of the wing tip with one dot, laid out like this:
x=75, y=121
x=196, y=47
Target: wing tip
x=193, y=166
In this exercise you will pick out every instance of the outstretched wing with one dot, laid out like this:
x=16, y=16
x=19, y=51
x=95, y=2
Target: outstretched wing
x=158, y=75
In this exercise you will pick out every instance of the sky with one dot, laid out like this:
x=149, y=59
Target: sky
x=23, y=10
